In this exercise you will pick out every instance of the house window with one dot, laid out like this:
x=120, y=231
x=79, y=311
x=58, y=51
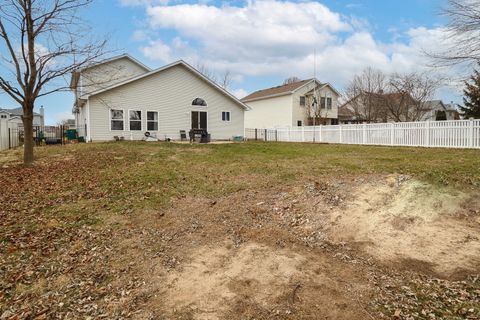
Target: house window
x=299, y=123
x=322, y=102
x=199, y=102
x=302, y=101
x=226, y=116
x=116, y=122
x=3, y=116
x=152, y=120
x=135, y=120
x=329, y=103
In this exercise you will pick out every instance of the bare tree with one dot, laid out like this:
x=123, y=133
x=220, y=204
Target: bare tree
x=462, y=33
x=45, y=41
x=365, y=95
x=318, y=107
x=291, y=79
x=207, y=72
x=224, y=79
x=408, y=94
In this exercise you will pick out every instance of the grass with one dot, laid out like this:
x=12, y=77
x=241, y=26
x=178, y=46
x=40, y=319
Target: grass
x=72, y=191
x=124, y=175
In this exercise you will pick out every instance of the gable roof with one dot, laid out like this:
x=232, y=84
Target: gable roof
x=17, y=111
x=122, y=56
x=168, y=66
x=285, y=89
x=76, y=73
x=276, y=91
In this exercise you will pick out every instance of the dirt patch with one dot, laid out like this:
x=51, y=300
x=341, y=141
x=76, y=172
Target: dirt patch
x=275, y=282
x=399, y=220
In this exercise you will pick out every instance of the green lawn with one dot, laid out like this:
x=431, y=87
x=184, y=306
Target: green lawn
x=75, y=195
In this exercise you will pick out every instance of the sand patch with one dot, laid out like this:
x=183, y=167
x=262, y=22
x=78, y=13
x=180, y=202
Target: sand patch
x=404, y=221
x=217, y=275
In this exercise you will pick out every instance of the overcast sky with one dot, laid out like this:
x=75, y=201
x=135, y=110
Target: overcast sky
x=263, y=42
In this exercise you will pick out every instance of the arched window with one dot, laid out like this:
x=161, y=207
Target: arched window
x=199, y=102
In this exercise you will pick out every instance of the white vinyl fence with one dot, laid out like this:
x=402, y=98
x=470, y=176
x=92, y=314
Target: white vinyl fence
x=446, y=134
x=8, y=134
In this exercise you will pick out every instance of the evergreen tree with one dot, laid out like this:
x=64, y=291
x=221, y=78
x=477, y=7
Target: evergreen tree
x=471, y=101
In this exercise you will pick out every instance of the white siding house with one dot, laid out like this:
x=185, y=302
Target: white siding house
x=286, y=105
x=163, y=102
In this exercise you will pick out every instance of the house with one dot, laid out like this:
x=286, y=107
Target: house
x=436, y=110
x=305, y=102
x=366, y=107
x=14, y=116
x=393, y=107
x=121, y=97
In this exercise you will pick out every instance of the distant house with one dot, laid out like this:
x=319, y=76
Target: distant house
x=436, y=110
x=290, y=105
x=124, y=98
x=14, y=116
x=393, y=107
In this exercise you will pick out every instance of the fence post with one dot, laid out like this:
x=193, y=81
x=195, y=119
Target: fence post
x=341, y=134
x=288, y=133
x=470, y=133
x=427, y=133
x=266, y=139
x=392, y=134
x=276, y=135
x=320, y=136
x=9, y=138
x=303, y=134
x=364, y=133
x=256, y=134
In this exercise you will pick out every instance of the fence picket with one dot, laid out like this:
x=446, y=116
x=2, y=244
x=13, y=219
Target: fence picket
x=444, y=134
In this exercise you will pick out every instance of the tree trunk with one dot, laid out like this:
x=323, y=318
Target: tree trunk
x=27, y=119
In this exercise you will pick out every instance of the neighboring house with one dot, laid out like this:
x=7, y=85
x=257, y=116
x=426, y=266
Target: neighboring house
x=436, y=110
x=14, y=116
x=393, y=107
x=122, y=97
x=290, y=105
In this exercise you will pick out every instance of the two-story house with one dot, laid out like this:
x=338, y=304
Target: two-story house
x=121, y=97
x=303, y=103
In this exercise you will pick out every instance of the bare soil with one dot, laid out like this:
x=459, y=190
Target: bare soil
x=313, y=251
x=135, y=235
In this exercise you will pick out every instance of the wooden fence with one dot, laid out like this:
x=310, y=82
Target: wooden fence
x=443, y=134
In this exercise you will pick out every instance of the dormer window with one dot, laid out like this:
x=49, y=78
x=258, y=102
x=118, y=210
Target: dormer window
x=199, y=102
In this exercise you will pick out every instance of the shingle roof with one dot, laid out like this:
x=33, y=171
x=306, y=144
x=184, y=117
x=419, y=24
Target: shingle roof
x=278, y=90
x=17, y=111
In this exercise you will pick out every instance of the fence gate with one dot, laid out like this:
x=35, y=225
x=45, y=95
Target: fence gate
x=12, y=135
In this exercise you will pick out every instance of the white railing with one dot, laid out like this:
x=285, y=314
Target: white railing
x=445, y=134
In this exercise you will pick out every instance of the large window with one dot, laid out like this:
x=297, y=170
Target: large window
x=329, y=103
x=226, y=116
x=135, y=120
x=322, y=102
x=152, y=120
x=116, y=122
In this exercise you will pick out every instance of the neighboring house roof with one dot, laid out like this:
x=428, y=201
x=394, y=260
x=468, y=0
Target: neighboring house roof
x=17, y=111
x=171, y=65
x=76, y=73
x=434, y=105
x=276, y=91
x=285, y=89
x=451, y=107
